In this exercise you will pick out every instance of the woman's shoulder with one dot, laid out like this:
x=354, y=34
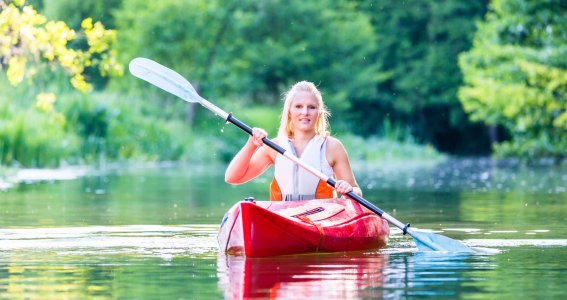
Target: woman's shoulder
x=334, y=145
x=333, y=142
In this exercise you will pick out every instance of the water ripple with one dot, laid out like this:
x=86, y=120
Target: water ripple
x=152, y=240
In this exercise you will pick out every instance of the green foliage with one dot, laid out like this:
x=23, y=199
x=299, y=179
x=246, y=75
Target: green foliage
x=375, y=149
x=115, y=128
x=28, y=40
x=79, y=128
x=418, y=43
x=41, y=143
x=178, y=34
x=386, y=69
x=328, y=42
x=266, y=117
x=516, y=76
x=255, y=50
x=74, y=12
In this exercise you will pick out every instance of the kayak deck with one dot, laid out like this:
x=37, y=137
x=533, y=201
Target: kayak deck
x=269, y=228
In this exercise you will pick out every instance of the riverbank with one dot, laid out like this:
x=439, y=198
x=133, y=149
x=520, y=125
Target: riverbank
x=203, y=149
x=10, y=177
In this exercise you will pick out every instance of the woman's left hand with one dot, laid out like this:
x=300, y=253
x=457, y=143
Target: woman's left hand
x=342, y=187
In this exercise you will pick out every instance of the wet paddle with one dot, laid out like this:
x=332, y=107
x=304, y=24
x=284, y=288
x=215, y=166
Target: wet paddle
x=172, y=82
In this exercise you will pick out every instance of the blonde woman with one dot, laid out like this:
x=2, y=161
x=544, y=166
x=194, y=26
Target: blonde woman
x=303, y=131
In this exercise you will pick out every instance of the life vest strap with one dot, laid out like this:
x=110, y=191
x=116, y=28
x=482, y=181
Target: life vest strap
x=306, y=219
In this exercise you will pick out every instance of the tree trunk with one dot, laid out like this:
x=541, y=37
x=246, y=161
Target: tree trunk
x=493, y=134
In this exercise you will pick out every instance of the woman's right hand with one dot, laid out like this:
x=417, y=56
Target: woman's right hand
x=257, y=135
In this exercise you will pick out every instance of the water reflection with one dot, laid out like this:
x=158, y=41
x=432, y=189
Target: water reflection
x=111, y=277
x=109, y=262
x=54, y=282
x=437, y=275
x=393, y=274
x=175, y=262
x=329, y=276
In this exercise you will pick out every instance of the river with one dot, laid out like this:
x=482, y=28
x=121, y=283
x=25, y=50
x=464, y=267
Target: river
x=147, y=232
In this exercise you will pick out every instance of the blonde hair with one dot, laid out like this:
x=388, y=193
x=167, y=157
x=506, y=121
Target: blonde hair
x=321, y=127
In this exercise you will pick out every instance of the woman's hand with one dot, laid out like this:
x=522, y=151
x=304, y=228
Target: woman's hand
x=343, y=187
x=257, y=135
x=251, y=161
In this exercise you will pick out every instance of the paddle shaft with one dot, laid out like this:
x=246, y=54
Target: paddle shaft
x=330, y=181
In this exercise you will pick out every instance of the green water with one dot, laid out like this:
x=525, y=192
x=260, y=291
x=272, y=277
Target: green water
x=150, y=233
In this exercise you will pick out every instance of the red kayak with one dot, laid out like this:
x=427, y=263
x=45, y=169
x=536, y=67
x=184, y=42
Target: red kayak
x=269, y=228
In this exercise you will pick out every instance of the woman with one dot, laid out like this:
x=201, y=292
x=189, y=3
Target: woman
x=303, y=130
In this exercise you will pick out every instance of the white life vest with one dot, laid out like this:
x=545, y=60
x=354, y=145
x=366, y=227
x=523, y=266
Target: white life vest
x=291, y=182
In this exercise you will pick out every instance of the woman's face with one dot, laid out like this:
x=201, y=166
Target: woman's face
x=304, y=112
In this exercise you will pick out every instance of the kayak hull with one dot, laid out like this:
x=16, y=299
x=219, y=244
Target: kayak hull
x=270, y=228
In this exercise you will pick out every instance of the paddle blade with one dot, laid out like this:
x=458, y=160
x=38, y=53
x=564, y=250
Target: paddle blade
x=428, y=241
x=164, y=78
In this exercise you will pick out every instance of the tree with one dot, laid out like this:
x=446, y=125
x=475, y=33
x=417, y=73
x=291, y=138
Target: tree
x=255, y=50
x=35, y=52
x=418, y=43
x=516, y=76
x=74, y=12
x=331, y=43
x=28, y=40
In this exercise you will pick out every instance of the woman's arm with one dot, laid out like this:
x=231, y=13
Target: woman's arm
x=338, y=159
x=252, y=160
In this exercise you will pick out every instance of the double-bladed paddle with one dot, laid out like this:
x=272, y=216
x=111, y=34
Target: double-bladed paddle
x=170, y=81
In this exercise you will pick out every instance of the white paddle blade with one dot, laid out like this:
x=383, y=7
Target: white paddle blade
x=164, y=78
x=428, y=241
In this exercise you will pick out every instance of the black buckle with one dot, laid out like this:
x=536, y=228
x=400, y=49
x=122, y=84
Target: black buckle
x=250, y=199
x=405, y=230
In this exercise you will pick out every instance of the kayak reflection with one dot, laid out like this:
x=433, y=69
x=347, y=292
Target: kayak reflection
x=322, y=276
x=397, y=273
